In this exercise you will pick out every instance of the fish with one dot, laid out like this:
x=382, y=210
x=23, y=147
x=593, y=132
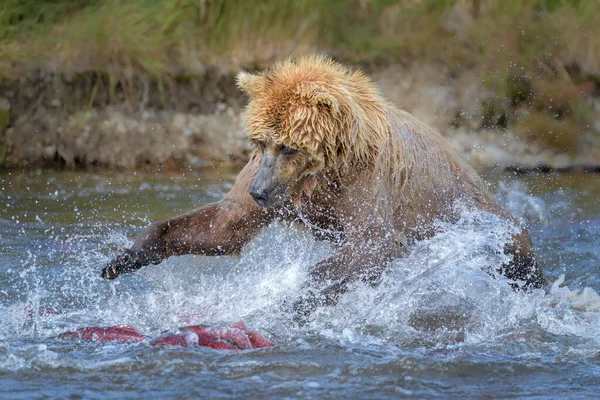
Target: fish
x=223, y=337
x=257, y=340
x=233, y=337
x=178, y=339
x=236, y=336
x=118, y=333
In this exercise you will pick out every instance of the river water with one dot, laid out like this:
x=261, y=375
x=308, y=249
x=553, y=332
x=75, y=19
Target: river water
x=436, y=327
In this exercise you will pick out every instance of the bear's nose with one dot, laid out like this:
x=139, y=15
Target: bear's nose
x=260, y=196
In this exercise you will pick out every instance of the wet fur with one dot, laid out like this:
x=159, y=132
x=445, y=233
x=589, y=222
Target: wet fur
x=366, y=173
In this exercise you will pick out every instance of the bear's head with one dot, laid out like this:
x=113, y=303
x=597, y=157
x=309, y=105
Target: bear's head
x=303, y=118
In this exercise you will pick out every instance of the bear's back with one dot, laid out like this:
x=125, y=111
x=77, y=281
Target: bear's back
x=435, y=176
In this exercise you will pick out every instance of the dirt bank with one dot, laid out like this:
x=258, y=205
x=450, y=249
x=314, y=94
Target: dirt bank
x=93, y=119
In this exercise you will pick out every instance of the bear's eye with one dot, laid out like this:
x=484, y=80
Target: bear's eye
x=288, y=151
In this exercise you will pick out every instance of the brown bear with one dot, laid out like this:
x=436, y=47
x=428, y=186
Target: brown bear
x=332, y=154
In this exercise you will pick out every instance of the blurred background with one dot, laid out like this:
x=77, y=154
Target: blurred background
x=150, y=83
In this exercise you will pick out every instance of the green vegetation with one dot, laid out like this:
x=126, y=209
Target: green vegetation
x=539, y=58
x=171, y=36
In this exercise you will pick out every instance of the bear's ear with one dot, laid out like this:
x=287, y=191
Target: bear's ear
x=249, y=83
x=327, y=100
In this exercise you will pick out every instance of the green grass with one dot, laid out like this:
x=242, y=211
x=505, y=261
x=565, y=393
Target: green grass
x=171, y=36
x=516, y=46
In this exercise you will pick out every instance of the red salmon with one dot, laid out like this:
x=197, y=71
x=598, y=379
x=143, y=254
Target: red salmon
x=119, y=333
x=234, y=337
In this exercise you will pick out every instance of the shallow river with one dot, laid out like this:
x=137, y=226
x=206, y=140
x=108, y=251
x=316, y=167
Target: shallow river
x=438, y=326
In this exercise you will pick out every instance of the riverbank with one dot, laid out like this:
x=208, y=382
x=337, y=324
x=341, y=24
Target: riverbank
x=85, y=120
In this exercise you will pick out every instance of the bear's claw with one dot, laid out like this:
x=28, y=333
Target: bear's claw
x=129, y=261
x=123, y=263
x=109, y=272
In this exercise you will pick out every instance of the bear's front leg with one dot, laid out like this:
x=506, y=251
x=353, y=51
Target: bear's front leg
x=330, y=278
x=220, y=228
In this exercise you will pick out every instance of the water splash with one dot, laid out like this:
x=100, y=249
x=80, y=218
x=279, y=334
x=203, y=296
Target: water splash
x=519, y=203
x=439, y=296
